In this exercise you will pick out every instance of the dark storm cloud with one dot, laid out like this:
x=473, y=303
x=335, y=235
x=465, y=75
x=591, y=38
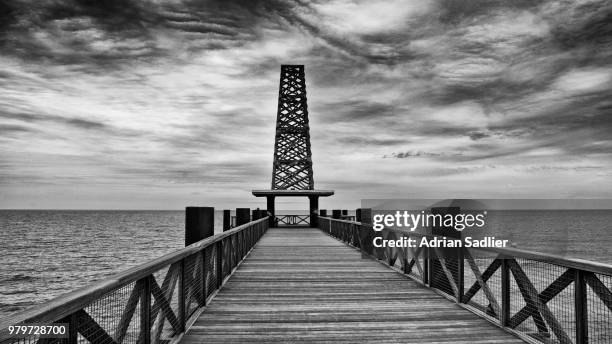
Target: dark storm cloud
x=579, y=35
x=37, y=123
x=450, y=171
x=435, y=129
x=355, y=110
x=586, y=113
x=591, y=27
x=422, y=154
x=67, y=31
x=212, y=133
x=34, y=118
x=404, y=155
x=119, y=32
x=456, y=11
x=350, y=48
x=187, y=172
x=370, y=141
x=477, y=135
x=487, y=92
x=8, y=128
x=562, y=168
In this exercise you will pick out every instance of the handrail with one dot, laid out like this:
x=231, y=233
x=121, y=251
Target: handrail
x=63, y=306
x=343, y=221
x=569, y=262
x=565, y=297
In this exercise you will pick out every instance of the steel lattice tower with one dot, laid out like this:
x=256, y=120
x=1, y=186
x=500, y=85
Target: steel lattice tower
x=292, y=167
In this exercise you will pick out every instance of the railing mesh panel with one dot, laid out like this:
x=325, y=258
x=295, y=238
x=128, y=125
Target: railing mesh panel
x=132, y=305
x=516, y=304
x=193, y=283
x=491, y=281
x=210, y=260
x=416, y=267
x=99, y=321
x=554, y=319
x=439, y=278
x=165, y=310
x=391, y=255
x=28, y=340
x=599, y=305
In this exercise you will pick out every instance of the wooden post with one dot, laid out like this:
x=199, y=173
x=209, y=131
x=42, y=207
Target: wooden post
x=270, y=205
x=181, y=296
x=366, y=215
x=204, y=277
x=314, y=208
x=323, y=212
x=227, y=220
x=460, y=274
x=219, y=261
x=438, y=278
x=581, y=307
x=366, y=232
x=199, y=224
x=243, y=215
x=505, y=292
x=427, y=266
x=145, y=311
x=336, y=213
x=72, y=328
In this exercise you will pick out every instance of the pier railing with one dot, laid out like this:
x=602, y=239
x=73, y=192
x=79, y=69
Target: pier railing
x=284, y=220
x=292, y=220
x=151, y=303
x=540, y=297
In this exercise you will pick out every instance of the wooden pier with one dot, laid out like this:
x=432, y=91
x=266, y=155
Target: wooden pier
x=253, y=283
x=301, y=285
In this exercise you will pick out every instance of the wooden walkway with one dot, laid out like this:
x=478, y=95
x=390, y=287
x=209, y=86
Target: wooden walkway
x=300, y=285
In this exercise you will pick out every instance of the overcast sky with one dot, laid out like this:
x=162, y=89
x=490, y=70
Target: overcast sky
x=167, y=103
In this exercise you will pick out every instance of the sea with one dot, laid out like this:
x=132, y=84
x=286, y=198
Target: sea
x=46, y=253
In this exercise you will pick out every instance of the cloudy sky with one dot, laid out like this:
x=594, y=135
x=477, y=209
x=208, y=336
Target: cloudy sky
x=166, y=103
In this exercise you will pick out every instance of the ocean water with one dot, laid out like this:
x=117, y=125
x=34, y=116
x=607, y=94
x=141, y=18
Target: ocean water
x=45, y=253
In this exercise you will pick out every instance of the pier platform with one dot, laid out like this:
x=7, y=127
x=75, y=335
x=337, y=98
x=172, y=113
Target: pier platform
x=302, y=285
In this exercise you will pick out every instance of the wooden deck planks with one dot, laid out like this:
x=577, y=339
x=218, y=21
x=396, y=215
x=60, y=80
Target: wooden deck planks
x=300, y=285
